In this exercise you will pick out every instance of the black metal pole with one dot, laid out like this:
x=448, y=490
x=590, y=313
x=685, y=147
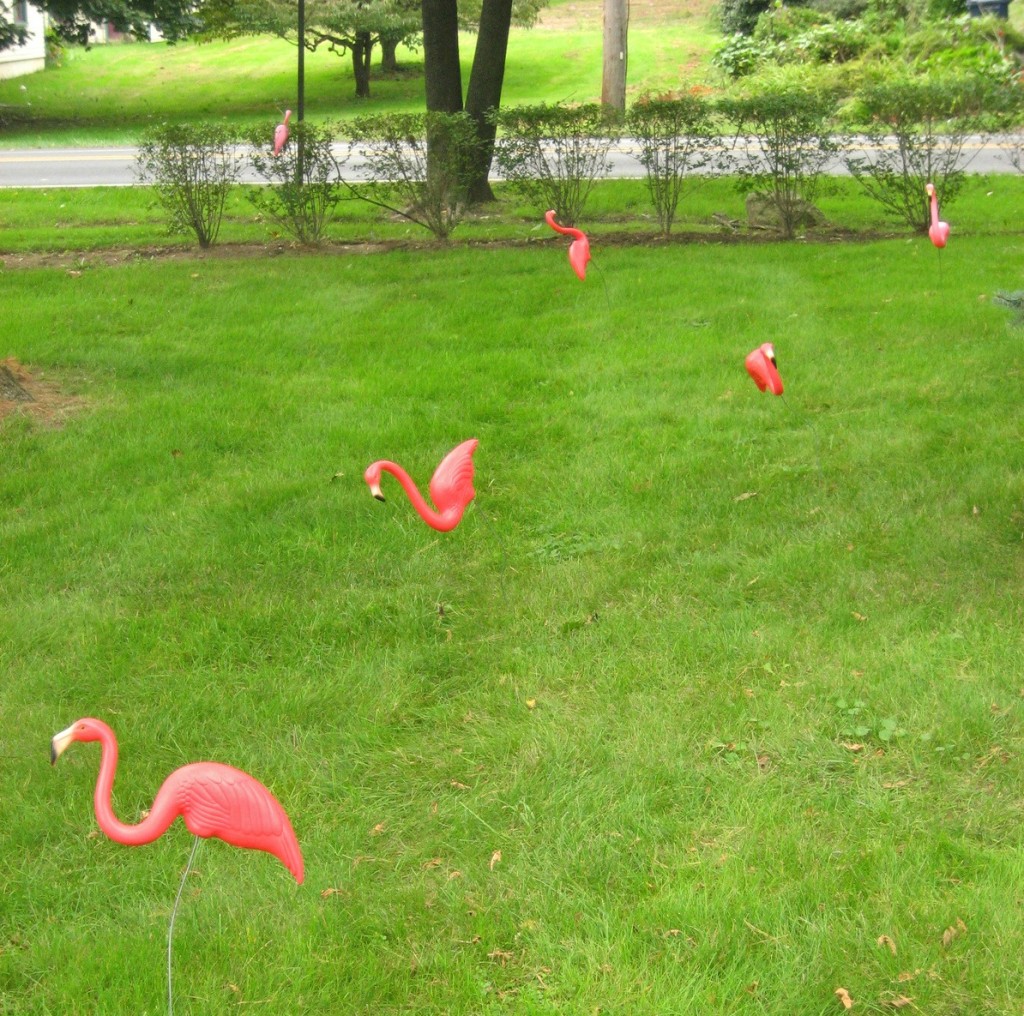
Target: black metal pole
x=302, y=59
x=302, y=89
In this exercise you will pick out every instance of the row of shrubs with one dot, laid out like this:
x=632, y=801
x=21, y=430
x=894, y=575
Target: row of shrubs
x=779, y=144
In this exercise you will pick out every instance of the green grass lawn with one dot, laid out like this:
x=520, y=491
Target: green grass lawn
x=109, y=94
x=732, y=683
x=131, y=219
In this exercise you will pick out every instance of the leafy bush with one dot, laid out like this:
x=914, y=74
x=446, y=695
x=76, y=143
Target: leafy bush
x=302, y=183
x=673, y=140
x=788, y=142
x=917, y=129
x=553, y=154
x=421, y=160
x=781, y=23
x=740, y=15
x=831, y=42
x=742, y=55
x=193, y=167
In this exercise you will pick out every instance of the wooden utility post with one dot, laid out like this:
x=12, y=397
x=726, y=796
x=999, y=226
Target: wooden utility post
x=613, y=77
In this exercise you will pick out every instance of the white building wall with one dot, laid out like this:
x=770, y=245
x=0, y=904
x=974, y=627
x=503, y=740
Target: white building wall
x=31, y=56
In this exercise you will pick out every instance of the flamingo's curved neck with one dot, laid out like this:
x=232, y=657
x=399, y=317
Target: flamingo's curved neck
x=426, y=511
x=161, y=815
x=935, y=209
x=576, y=234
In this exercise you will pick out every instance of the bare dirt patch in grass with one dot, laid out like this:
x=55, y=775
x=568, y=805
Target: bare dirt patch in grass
x=21, y=391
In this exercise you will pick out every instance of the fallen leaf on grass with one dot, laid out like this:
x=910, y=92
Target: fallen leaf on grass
x=377, y=829
x=746, y=495
x=857, y=616
x=500, y=956
x=952, y=932
x=852, y=746
x=844, y=996
x=495, y=859
x=898, y=1003
x=888, y=943
x=434, y=862
x=531, y=703
x=459, y=786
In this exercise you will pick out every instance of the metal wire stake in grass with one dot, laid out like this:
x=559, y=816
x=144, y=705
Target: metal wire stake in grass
x=170, y=927
x=604, y=280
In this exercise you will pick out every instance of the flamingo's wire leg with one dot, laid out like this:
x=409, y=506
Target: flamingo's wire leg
x=170, y=927
x=607, y=298
x=814, y=428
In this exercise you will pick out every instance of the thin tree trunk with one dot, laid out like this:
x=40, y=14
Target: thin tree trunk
x=484, y=94
x=361, y=52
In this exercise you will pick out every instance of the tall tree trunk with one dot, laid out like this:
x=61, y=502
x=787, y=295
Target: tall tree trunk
x=388, y=57
x=442, y=75
x=441, y=69
x=613, y=77
x=484, y=94
x=361, y=52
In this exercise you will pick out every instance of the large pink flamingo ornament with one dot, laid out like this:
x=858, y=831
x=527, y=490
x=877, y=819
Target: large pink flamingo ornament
x=579, y=249
x=213, y=799
x=281, y=133
x=761, y=366
x=938, y=232
x=451, y=486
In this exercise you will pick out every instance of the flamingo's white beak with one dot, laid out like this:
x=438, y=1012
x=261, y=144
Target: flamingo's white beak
x=375, y=491
x=59, y=742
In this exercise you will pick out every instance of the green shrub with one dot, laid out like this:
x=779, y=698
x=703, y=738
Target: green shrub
x=418, y=164
x=302, y=183
x=553, y=154
x=781, y=23
x=673, y=139
x=742, y=55
x=740, y=15
x=930, y=120
x=786, y=133
x=192, y=166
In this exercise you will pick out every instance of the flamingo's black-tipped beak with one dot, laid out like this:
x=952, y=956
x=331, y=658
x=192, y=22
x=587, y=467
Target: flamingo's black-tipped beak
x=58, y=743
x=379, y=496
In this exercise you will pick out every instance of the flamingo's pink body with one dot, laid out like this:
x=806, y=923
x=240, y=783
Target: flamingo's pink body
x=761, y=366
x=451, y=486
x=579, y=249
x=281, y=133
x=938, y=232
x=212, y=799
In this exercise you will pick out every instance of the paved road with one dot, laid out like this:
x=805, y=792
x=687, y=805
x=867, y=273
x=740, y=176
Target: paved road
x=115, y=167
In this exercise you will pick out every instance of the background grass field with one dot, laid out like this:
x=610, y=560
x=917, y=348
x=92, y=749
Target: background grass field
x=111, y=93
x=732, y=683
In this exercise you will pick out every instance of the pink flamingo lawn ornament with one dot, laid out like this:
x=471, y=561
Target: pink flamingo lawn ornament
x=281, y=133
x=451, y=486
x=213, y=799
x=938, y=232
x=761, y=366
x=579, y=249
